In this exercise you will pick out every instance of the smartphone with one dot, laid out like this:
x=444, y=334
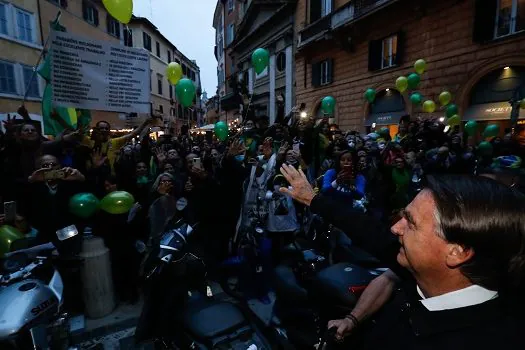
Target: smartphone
x=197, y=163
x=10, y=211
x=54, y=174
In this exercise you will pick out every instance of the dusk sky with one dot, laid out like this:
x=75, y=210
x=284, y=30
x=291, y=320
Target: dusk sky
x=188, y=24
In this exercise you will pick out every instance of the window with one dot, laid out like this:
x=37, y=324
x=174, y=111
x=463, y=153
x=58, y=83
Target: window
x=169, y=56
x=510, y=16
x=146, y=40
x=319, y=9
x=61, y=3
x=322, y=73
x=157, y=46
x=389, y=52
x=89, y=13
x=171, y=90
x=262, y=74
x=230, y=34
x=113, y=26
x=385, y=52
x=7, y=78
x=3, y=18
x=184, y=70
x=281, y=61
x=161, y=109
x=192, y=75
x=30, y=82
x=231, y=5
x=24, y=25
x=128, y=37
x=159, y=84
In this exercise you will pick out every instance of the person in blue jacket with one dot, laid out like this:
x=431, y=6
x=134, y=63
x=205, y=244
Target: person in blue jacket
x=342, y=180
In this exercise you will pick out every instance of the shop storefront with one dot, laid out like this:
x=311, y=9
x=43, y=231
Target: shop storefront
x=490, y=98
x=386, y=111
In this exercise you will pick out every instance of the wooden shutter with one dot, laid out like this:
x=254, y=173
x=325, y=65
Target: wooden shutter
x=84, y=10
x=375, y=48
x=484, y=20
x=400, y=49
x=95, y=11
x=315, y=10
x=316, y=74
x=330, y=74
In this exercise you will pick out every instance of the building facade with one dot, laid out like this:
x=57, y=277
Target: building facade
x=144, y=34
x=225, y=23
x=472, y=49
x=21, y=42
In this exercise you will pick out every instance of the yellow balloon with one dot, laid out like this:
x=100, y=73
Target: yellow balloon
x=429, y=106
x=174, y=73
x=420, y=66
x=522, y=104
x=455, y=120
x=121, y=10
x=444, y=98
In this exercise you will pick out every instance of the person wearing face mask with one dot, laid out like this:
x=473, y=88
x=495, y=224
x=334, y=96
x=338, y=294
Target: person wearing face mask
x=342, y=181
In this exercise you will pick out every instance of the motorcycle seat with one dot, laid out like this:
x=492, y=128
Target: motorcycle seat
x=207, y=319
x=340, y=284
x=287, y=287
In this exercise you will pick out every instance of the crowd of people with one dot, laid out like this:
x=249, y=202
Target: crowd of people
x=225, y=184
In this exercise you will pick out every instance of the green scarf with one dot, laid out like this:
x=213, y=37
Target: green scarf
x=401, y=179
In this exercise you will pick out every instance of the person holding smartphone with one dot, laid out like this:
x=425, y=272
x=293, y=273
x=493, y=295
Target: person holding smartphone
x=45, y=204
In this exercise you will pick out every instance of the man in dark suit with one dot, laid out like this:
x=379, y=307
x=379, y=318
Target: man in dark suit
x=457, y=259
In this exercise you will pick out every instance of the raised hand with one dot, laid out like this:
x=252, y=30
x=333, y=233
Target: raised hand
x=98, y=159
x=301, y=190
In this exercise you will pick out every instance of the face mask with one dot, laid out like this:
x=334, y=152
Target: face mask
x=260, y=158
x=142, y=180
x=239, y=158
x=351, y=144
x=381, y=146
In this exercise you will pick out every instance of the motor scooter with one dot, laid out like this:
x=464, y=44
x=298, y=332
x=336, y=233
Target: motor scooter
x=31, y=298
x=177, y=311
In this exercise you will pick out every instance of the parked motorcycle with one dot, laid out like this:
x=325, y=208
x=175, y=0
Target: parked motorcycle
x=177, y=312
x=31, y=298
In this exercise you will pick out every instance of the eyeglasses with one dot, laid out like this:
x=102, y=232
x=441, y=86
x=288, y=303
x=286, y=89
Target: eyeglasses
x=166, y=182
x=49, y=165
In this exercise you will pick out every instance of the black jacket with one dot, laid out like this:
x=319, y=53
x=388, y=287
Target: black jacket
x=404, y=323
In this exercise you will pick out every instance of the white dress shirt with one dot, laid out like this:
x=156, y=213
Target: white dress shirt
x=469, y=296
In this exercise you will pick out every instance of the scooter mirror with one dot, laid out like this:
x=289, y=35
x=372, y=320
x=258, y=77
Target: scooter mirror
x=67, y=232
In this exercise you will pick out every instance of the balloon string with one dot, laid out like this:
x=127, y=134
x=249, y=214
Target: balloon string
x=251, y=96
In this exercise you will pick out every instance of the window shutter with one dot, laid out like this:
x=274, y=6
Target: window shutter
x=315, y=10
x=84, y=10
x=117, y=27
x=95, y=11
x=316, y=74
x=330, y=75
x=400, y=49
x=374, y=55
x=484, y=20
x=108, y=23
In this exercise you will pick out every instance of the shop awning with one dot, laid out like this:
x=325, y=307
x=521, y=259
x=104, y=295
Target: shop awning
x=387, y=118
x=490, y=111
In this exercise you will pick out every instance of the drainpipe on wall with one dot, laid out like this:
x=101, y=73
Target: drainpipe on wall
x=40, y=23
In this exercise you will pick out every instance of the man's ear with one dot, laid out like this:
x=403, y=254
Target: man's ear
x=458, y=255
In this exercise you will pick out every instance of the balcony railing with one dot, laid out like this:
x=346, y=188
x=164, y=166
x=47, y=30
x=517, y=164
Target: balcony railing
x=314, y=30
x=353, y=10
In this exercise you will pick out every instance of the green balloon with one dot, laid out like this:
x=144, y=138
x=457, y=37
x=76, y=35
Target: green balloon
x=485, y=148
x=260, y=59
x=185, y=91
x=451, y=110
x=370, y=95
x=83, y=205
x=491, y=130
x=384, y=131
x=416, y=98
x=413, y=80
x=471, y=127
x=221, y=130
x=8, y=234
x=328, y=105
x=118, y=202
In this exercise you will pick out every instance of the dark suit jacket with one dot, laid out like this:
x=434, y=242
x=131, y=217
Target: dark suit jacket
x=404, y=323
